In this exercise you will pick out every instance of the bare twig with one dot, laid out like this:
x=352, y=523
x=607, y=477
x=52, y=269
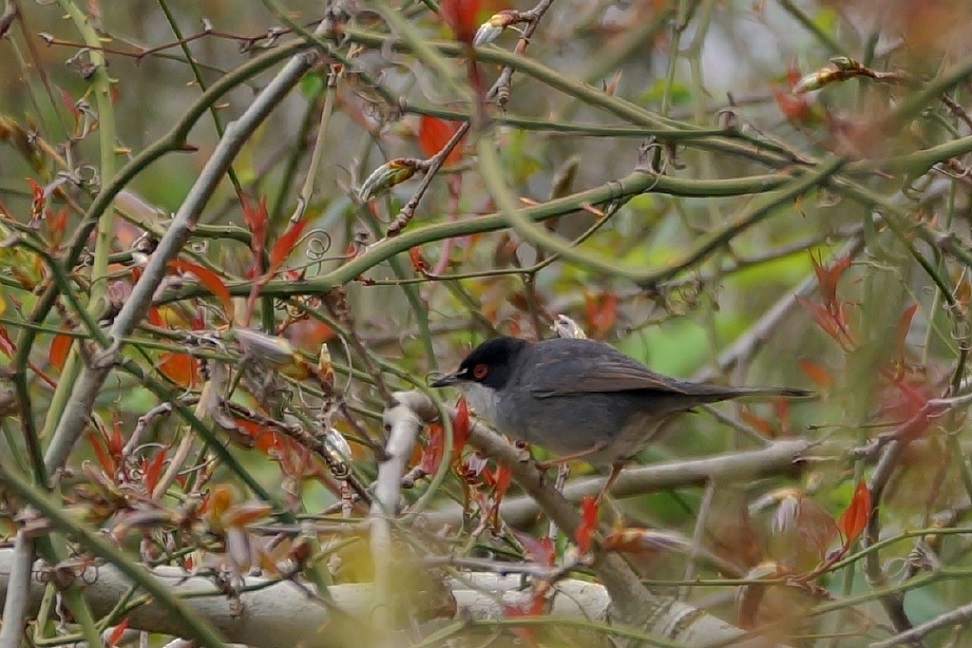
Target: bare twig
x=431, y=168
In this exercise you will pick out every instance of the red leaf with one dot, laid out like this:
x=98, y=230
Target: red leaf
x=588, y=525
x=435, y=133
x=114, y=635
x=815, y=372
x=6, y=344
x=827, y=278
x=460, y=15
x=822, y=317
x=854, y=518
x=255, y=218
x=210, y=280
x=460, y=428
x=116, y=442
x=256, y=222
x=285, y=245
x=152, y=470
x=69, y=103
x=60, y=346
x=100, y=448
x=180, y=368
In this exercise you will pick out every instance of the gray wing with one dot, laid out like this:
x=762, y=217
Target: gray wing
x=586, y=366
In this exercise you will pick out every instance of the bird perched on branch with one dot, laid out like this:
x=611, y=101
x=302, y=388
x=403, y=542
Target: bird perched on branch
x=580, y=398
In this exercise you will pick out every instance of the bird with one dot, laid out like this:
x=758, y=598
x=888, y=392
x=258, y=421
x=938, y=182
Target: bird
x=580, y=398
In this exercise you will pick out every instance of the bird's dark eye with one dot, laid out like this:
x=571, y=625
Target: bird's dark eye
x=480, y=371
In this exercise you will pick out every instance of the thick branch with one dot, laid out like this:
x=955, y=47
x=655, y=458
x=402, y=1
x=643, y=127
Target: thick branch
x=778, y=458
x=283, y=616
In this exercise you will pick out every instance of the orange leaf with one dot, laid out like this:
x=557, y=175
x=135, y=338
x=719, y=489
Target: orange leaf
x=56, y=224
x=600, y=312
x=38, y=201
x=854, y=518
x=210, y=280
x=245, y=513
x=217, y=501
x=263, y=439
x=432, y=454
x=795, y=109
x=793, y=74
x=815, y=372
x=285, y=245
x=155, y=317
x=583, y=533
x=435, y=133
x=180, y=368
x=60, y=346
x=418, y=263
x=758, y=423
x=642, y=541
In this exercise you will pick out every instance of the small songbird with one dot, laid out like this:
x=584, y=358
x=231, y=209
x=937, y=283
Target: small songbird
x=580, y=398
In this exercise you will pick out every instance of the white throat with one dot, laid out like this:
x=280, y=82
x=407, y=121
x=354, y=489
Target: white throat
x=483, y=401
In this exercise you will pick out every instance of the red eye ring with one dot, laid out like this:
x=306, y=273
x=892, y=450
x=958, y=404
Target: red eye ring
x=480, y=371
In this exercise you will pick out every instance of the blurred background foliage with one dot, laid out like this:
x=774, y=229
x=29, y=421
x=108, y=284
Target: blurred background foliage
x=880, y=246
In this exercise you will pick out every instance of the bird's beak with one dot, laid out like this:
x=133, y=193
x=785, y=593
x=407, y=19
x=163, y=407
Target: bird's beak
x=448, y=379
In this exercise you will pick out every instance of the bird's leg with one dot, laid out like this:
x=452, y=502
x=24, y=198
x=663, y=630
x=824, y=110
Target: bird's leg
x=616, y=469
x=557, y=461
x=562, y=473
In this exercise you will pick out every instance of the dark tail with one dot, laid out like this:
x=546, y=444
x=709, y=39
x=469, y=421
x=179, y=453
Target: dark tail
x=715, y=393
